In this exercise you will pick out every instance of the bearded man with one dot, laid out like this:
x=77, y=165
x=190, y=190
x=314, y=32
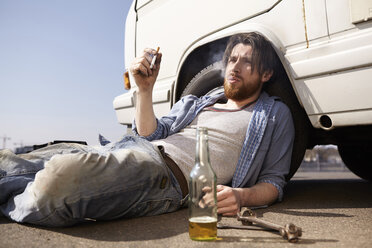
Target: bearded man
x=250, y=137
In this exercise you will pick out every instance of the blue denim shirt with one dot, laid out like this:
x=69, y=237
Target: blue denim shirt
x=267, y=149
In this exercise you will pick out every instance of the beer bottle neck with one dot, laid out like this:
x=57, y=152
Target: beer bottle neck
x=202, y=151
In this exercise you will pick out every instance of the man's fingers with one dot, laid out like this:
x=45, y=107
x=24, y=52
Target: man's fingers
x=228, y=211
x=139, y=68
x=221, y=196
x=220, y=188
x=149, y=54
x=228, y=206
x=227, y=201
x=141, y=65
x=158, y=60
x=223, y=192
x=148, y=58
x=149, y=51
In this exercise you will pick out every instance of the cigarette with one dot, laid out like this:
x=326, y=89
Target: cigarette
x=154, y=58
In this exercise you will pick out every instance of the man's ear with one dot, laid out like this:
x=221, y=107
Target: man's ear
x=266, y=76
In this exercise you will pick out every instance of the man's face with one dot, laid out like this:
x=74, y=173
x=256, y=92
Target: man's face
x=240, y=81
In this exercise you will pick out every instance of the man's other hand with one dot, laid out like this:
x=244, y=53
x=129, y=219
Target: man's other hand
x=228, y=200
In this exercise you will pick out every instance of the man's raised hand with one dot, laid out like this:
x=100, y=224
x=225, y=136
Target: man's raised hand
x=140, y=69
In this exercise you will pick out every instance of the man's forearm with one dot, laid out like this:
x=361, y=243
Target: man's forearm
x=230, y=200
x=145, y=77
x=145, y=117
x=258, y=195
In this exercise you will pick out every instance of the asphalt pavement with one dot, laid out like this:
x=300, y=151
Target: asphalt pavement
x=334, y=209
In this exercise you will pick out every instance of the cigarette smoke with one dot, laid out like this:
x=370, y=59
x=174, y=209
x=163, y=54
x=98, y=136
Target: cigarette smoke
x=215, y=55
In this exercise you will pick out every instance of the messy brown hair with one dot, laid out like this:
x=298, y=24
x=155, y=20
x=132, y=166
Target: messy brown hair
x=264, y=56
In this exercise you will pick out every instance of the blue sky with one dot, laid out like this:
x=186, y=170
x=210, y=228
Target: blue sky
x=61, y=65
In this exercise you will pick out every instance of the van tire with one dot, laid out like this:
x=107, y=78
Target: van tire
x=357, y=159
x=207, y=79
x=212, y=76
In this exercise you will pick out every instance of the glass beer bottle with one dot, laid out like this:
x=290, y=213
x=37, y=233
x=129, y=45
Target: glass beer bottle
x=202, y=192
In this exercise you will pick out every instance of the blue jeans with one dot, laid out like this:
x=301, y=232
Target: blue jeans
x=66, y=184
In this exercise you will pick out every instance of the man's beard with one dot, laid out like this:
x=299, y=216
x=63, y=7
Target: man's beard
x=241, y=92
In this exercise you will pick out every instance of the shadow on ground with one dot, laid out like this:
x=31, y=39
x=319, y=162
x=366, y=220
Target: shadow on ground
x=144, y=228
x=324, y=194
x=308, y=198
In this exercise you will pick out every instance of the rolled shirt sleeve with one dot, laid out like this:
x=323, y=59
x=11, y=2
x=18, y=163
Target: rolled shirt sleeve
x=182, y=113
x=277, y=161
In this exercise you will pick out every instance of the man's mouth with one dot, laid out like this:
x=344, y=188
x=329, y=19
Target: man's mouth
x=233, y=79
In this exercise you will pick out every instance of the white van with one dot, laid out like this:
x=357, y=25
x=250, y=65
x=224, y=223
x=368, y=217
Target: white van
x=325, y=47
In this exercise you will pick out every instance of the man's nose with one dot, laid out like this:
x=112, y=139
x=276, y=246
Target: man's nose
x=237, y=65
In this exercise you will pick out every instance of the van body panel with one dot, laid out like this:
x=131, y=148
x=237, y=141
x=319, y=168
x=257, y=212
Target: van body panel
x=325, y=52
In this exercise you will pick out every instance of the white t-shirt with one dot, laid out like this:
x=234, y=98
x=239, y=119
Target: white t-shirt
x=226, y=133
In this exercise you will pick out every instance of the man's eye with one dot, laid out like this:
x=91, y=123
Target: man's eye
x=232, y=59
